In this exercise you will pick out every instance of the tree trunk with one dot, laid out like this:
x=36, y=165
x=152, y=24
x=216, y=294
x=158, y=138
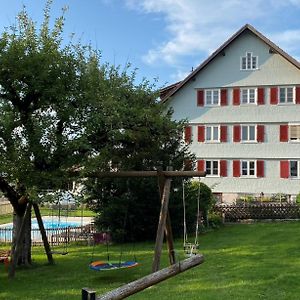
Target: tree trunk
x=25, y=252
x=19, y=203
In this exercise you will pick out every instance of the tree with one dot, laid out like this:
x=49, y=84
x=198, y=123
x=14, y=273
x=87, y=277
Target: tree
x=39, y=96
x=62, y=110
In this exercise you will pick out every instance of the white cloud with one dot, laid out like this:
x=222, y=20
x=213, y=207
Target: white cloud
x=288, y=40
x=201, y=26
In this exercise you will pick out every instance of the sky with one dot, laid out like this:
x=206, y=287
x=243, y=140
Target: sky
x=165, y=39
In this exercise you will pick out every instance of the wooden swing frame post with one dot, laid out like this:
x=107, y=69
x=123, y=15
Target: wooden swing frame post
x=164, y=223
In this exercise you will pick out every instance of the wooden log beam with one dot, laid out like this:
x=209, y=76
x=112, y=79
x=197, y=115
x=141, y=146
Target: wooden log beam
x=168, y=228
x=43, y=233
x=161, y=225
x=170, y=240
x=127, y=174
x=154, y=278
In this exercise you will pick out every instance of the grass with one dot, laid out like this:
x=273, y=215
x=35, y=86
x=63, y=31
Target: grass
x=250, y=261
x=6, y=219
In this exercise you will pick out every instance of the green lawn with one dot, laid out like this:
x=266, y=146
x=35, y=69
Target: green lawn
x=256, y=261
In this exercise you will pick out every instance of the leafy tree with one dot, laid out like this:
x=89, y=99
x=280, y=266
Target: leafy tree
x=40, y=92
x=62, y=110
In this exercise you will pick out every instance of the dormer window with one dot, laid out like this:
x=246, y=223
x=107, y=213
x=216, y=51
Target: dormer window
x=249, y=62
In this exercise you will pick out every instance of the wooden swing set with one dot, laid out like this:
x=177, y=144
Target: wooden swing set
x=164, y=229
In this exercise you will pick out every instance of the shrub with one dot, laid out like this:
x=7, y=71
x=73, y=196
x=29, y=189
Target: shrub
x=215, y=220
x=298, y=199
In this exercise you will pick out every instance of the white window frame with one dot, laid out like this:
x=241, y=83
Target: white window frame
x=211, y=174
x=247, y=139
x=248, y=94
x=285, y=97
x=247, y=62
x=211, y=128
x=298, y=169
x=212, y=93
x=294, y=140
x=248, y=162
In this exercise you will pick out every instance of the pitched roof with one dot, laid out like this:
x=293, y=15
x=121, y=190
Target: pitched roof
x=169, y=91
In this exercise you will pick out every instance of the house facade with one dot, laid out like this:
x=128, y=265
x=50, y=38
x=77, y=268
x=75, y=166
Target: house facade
x=243, y=108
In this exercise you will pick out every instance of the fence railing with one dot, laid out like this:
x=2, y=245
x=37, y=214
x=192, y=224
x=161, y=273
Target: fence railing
x=56, y=236
x=233, y=213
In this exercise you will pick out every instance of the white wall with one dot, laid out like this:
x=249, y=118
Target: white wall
x=224, y=71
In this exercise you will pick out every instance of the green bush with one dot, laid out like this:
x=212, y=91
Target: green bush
x=215, y=220
x=298, y=199
x=130, y=208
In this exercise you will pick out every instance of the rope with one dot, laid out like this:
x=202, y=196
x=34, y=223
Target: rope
x=184, y=215
x=198, y=212
x=189, y=246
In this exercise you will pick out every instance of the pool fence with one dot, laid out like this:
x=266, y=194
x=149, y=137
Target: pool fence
x=56, y=236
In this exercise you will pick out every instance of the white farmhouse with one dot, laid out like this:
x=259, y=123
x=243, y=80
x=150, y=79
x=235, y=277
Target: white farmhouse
x=243, y=107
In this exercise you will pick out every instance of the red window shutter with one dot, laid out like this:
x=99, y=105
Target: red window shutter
x=297, y=95
x=236, y=133
x=223, y=97
x=188, y=165
x=274, y=95
x=260, y=96
x=284, y=133
x=236, y=96
x=200, y=165
x=284, y=169
x=260, y=168
x=236, y=168
x=188, y=134
x=223, y=134
x=260, y=133
x=200, y=98
x=223, y=168
x=201, y=130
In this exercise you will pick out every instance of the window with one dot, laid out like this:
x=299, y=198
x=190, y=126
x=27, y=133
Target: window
x=248, y=133
x=286, y=94
x=248, y=96
x=294, y=168
x=248, y=168
x=212, y=134
x=212, y=167
x=249, y=62
x=212, y=97
x=294, y=132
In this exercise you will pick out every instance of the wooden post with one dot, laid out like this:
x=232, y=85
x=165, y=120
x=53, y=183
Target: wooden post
x=43, y=233
x=154, y=278
x=87, y=294
x=19, y=240
x=168, y=228
x=170, y=240
x=161, y=224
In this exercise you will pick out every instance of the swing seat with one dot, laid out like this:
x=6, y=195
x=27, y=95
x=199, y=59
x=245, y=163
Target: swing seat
x=190, y=249
x=113, y=265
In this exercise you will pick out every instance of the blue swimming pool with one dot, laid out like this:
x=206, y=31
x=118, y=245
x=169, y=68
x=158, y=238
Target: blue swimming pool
x=54, y=227
x=50, y=224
